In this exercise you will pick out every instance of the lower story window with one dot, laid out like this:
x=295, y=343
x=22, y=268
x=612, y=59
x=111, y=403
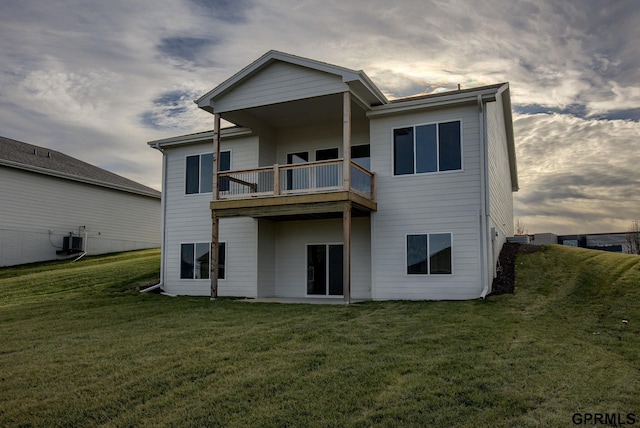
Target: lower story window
x=429, y=254
x=195, y=260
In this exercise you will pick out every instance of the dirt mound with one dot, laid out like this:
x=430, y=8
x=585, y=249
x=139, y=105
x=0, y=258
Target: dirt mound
x=505, y=281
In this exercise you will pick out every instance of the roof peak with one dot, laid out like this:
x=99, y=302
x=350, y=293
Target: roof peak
x=348, y=75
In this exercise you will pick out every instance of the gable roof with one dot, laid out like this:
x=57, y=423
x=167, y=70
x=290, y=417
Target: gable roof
x=357, y=79
x=28, y=157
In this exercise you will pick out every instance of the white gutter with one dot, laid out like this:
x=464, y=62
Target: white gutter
x=163, y=208
x=484, y=261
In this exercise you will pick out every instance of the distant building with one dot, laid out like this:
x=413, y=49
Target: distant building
x=54, y=206
x=614, y=242
x=544, y=239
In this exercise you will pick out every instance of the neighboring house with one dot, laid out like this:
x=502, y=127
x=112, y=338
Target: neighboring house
x=54, y=206
x=325, y=188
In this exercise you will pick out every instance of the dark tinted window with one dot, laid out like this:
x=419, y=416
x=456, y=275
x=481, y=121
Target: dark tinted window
x=450, y=150
x=417, y=254
x=403, y=151
x=225, y=161
x=361, y=155
x=206, y=173
x=192, y=175
x=326, y=154
x=440, y=253
x=222, y=258
x=186, y=261
x=225, y=165
x=426, y=148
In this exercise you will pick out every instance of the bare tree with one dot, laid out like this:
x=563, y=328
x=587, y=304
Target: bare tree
x=520, y=228
x=633, y=238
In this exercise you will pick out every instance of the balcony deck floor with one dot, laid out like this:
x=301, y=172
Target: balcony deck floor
x=317, y=205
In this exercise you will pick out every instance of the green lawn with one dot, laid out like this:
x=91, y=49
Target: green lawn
x=79, y=346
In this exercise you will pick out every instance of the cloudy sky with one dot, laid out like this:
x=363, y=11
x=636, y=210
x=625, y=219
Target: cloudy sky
x=98, y=79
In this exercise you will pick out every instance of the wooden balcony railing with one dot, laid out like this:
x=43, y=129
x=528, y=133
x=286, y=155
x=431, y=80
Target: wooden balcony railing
x=313, y=177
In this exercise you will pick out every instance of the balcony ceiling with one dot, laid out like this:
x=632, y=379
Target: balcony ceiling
x=294, y=114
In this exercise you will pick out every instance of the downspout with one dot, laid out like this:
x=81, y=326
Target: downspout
x=163, y=208
x=484, y=261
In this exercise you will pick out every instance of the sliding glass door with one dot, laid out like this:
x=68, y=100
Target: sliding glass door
x=324, y=270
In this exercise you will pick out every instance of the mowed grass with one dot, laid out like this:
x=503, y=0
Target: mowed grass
x=79, y=346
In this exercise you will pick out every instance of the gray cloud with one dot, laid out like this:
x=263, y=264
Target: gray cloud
x=580, y=110
x=172, y=110
x=195, y=51
x=234, y=11
x=99, y=79
x=577, y=173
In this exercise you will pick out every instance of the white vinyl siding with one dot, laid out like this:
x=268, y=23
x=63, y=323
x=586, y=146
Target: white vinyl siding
x=424, y=203
x=188, y=219
x=500, y=191
x=267, y=258
x=44, y=209
x=280, y=82
x=267, y=149
x=318, y=137
x=499, y=180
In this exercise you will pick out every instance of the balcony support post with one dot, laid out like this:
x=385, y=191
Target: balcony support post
x=346, y=252
x=215, y=222
x=276, y=179
x=346, y=140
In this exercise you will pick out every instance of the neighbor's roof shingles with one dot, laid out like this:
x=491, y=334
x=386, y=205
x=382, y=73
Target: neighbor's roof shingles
x=41, y=160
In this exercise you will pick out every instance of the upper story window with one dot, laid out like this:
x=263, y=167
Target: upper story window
x=427, y=148
x=199, y=172
x=327, y=154
x=361, y=155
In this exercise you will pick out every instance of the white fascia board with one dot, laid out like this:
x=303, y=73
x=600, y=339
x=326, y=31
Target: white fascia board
x=511, y=145
x=347, y=75
x=367, y=91
x=225, y=133
x=256, y=65
x=72, y=177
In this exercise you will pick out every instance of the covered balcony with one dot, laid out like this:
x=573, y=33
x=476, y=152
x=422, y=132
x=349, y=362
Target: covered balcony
x=297, y=189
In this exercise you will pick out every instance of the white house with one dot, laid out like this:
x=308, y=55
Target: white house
x=55, y=206
x=325, y=188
